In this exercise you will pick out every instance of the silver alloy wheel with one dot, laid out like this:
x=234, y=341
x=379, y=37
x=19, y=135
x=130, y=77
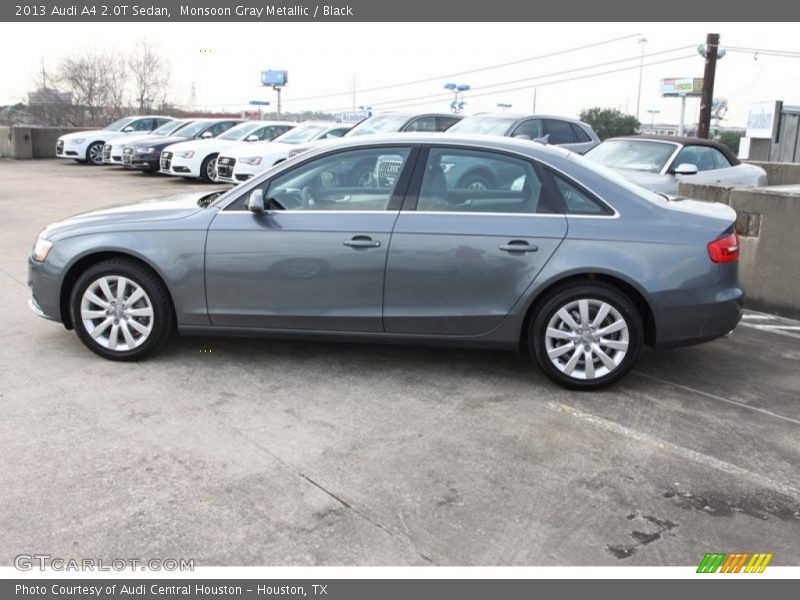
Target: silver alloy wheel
x=587, y=339
x=477, y=186
x=117, y=313
x=96, y=154
x=211, y=169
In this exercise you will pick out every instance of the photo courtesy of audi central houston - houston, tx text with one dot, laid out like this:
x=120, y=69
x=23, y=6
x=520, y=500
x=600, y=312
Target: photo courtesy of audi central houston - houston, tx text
x=434, y=298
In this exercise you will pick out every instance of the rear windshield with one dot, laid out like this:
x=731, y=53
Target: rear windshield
x=482, y=125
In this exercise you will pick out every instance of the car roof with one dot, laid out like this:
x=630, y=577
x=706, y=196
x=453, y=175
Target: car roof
x=684, y=140
x=520, y=116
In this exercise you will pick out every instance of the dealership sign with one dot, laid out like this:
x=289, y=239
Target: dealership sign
x=274, y=78
x=682, y=86
x=762, y=119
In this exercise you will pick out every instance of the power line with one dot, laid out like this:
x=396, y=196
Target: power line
x=568, y=79
x=441, y=95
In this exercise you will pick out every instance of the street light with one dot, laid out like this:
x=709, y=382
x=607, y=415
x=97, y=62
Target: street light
x=652, y=112
x=457, y=105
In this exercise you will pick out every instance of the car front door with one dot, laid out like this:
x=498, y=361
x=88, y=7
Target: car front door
x=315, y=258
x=461, y=257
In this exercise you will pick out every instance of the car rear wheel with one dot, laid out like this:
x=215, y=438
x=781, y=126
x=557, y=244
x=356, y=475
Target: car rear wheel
x=586, y=336
x=121, y=310
x=208, y=170
x=94, y=153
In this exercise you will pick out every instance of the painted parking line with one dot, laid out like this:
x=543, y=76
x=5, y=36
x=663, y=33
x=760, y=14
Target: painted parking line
x=775, y=324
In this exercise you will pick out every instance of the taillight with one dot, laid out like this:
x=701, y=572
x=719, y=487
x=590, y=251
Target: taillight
x=724, y=250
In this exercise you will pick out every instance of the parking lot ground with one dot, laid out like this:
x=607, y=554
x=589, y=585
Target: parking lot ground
x=259, y=452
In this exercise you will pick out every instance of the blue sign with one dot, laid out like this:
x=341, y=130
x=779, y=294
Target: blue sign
x=353, y=116
x=274, y=78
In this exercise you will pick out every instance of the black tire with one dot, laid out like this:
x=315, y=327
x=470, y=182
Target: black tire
x=204, y=168
x=80, y=161
x=596, y=294
x=476, y=181
x=156, y=292
x=94, y=154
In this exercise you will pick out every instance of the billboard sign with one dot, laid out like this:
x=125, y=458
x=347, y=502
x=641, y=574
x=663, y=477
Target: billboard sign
x=762, y=119
x=682, y=86
x=274, y=78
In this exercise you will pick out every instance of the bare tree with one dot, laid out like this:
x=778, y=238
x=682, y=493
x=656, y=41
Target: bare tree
x=97, y=83
x=150, y=73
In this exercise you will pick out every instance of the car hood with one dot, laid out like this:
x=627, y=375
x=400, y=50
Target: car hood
x=212, y=145
x=158, y=140
x=666, y=184
x=106, y=134
x=156, y=209
x=132, y=139
x=258, y=149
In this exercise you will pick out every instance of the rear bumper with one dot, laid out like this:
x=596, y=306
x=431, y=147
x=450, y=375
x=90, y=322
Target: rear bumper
x=695, y=316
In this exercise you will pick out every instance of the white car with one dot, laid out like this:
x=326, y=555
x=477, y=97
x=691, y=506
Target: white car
x=87, y=146
x=112, y=151
x=197, y=158
x=660, y=163
x=242, y=161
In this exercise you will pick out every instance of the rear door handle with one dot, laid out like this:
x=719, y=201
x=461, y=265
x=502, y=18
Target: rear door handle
x=518, y=246
x=362, y=241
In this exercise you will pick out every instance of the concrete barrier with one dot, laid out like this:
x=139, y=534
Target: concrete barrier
x=28, y=141
x=767, y=224
x=779, y=173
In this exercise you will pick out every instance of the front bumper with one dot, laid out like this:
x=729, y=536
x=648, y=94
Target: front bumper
x=44, y=283
x=71, y=151
x=143, y=162
x=181, y=167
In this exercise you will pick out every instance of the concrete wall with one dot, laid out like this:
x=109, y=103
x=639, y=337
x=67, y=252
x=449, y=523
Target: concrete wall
x=5, y=142
x=779, y=173
x=36, y=142
x=767, y=223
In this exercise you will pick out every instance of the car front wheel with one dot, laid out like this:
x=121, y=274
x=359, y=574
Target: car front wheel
x=121, y=310
x=94, y=154
x=586, y=336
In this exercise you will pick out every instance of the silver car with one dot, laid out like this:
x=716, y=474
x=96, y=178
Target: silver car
x=659, y=163
x=568, y=133
x=559, y=258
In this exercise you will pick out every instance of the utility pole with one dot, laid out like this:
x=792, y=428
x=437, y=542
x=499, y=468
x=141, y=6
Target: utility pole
x=643, y=42
x=712, y=45
x=534, y=99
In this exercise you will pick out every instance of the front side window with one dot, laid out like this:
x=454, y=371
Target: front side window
x=142, y=125
x=344, y=181
x=422, y=124
x=221, y=127
x=483, y=125
x=481, y=182
x=530, y=129
x=119, y=125
x=559, y=132
x=270, y=132
x=241, y=131
x=334, y=133
x=704, y=158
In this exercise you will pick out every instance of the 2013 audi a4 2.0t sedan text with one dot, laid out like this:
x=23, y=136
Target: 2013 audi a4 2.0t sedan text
x=559, y=257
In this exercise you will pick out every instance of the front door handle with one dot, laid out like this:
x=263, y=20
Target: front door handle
x=518, y=246
x=362, y=241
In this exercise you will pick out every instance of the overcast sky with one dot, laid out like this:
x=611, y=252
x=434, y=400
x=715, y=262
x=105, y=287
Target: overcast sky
x=224, y=61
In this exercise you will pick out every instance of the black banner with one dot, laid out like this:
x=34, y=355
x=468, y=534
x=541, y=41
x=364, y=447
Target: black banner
x=105, y=11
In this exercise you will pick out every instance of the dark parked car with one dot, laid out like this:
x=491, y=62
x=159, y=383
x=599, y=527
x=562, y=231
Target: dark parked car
x=570, y=262
x=571, y=134
x=145, y=154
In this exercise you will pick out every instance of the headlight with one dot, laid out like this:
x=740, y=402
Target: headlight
x=145, y=150
x=186, y=154
x=76, y=141
x=41, y=249
x=251, y=160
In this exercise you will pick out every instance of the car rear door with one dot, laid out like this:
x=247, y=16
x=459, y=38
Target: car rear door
x=461, y=257
x=315, y=260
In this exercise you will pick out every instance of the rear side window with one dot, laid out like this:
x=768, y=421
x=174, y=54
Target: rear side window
x=445, y=123
x=577, y=201
x=560, y=132
x=580, y=134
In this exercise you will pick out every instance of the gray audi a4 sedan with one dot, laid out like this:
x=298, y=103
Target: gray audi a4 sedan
x=558, y=257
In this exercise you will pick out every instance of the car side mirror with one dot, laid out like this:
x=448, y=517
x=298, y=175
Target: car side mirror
x=686, y=169
x=251, y=138
x=255, y=202
x=127, y=129
x=206, y=135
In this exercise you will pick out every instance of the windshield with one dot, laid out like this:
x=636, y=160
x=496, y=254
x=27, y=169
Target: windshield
x=637, y=155
x=618, y=178
x=482, y=125
x=192, y=130
x=301, y=134
x=379, y=124
x=168, y=127
x=119, y=125
x=241, y=131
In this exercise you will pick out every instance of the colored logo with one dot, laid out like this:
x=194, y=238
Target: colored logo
x=734, y=562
